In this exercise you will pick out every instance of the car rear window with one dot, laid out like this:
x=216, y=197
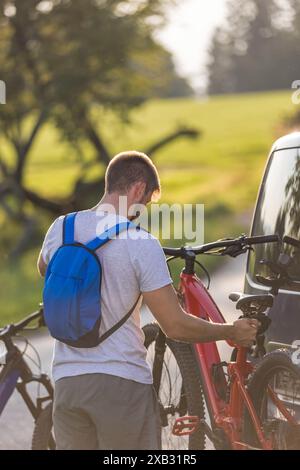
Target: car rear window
x=278, y=209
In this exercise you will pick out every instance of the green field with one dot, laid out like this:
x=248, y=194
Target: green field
x=222, y=169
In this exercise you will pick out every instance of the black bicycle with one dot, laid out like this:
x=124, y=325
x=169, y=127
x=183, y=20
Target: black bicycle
x=15, y=373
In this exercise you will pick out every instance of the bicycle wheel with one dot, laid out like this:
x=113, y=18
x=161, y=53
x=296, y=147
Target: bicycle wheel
x=275, y=391
x=180, y=391
x=42, y=438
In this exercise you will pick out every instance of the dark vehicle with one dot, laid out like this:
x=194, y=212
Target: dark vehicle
x=278, y=211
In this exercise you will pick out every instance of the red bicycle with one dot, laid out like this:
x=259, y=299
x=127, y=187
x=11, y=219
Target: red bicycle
x=253, y=402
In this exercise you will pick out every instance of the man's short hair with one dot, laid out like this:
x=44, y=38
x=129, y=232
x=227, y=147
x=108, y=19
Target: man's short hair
x=131, y=167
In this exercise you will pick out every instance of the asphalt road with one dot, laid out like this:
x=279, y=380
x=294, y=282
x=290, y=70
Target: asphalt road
x=16, y=423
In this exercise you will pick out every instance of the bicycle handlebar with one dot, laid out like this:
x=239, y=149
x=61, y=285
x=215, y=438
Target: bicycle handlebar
x=241, y=242
x=33, y=316
x=11, y=330
x=291, y=241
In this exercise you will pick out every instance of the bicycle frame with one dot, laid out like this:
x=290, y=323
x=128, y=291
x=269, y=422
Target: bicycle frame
x=16, y=375
x=225, y=414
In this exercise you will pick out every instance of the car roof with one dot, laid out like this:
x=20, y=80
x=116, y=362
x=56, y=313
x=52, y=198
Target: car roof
x=288, y=141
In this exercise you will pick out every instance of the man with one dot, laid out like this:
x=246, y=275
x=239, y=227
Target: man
x=104, y=397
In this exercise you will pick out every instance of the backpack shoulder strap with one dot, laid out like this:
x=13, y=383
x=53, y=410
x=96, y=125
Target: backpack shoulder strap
x=119, y=323
x=110, y=233
x=68, y=228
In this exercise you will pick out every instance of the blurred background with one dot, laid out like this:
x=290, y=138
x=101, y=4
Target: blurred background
x=203, y=87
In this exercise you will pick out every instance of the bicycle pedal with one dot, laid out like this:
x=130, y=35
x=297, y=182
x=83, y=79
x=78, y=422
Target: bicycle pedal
x=186, y=425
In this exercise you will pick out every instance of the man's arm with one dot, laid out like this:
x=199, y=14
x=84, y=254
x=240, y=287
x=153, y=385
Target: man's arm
x=41, y=265
x=52, y=241
x=181, y=326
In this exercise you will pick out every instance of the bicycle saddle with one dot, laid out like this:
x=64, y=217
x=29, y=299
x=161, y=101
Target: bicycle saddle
x=246, y=300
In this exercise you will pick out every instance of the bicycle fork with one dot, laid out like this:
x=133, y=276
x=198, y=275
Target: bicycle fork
x=160, y=348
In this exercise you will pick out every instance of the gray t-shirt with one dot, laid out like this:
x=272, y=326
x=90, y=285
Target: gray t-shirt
x=132, y=263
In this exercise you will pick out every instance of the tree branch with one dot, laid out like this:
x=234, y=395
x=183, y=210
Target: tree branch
x=54, y=207
x=4, y=169
x=103, y=155
x=24, y=150
x=25, y=241
x=181, y=132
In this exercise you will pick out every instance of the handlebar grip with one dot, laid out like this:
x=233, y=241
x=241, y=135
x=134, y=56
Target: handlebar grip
x=291, y=241
x=262, y=239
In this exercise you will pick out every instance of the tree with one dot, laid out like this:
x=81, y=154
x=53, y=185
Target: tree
x=59, y=59
x=255, y=50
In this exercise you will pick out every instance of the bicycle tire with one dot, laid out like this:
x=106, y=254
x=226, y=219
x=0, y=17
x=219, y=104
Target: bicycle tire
x=42, y=438
x=276, y=361
x=42, y=435
x=187, y=363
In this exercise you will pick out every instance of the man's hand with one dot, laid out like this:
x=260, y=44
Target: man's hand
x=181, y=326
x=245, y=331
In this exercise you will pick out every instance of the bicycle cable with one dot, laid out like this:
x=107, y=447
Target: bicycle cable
x=26, y=345
x=171, y=258
x=37, y=363
x=206, y=273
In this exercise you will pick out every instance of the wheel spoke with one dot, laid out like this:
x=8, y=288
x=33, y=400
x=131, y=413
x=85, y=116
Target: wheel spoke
x=171, y=394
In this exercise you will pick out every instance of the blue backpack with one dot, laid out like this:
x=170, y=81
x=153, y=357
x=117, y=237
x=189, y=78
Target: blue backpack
x=72, y=291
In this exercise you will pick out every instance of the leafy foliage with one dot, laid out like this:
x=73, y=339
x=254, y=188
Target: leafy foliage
x=258, y=47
